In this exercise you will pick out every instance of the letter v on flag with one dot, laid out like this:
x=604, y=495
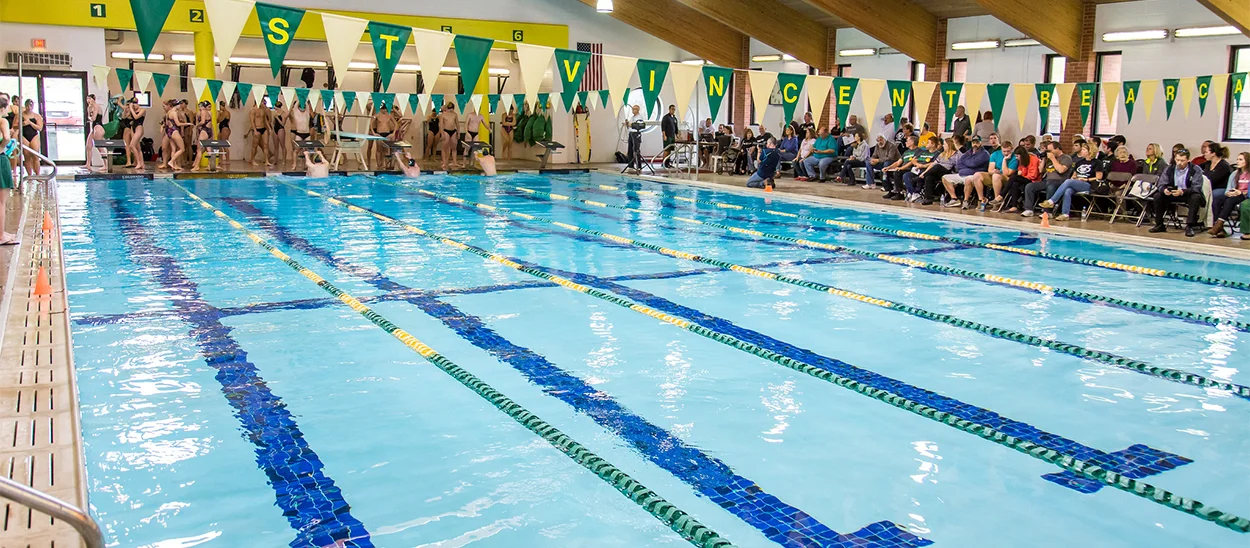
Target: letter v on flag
x=571, y=66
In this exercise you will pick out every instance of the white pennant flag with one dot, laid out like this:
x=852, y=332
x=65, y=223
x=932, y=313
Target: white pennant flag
x=432, y=49
x=477, y=102
x=198, y=85
x=1111, y=97
x=973, y=93
x=1187, y=94
x=401, y=101
x=101, y=75
x=227, y=91
x=423, y=103
x=870, y=90
x=1022, y=94
x=258, y=94
x=506, y=102
x=534, y=61
x=817, y=95
x=617, y=71
x=225, y=20
x=142, y=79
x=762, y=84
x=288, y=96
x=685, y=78
x=342, y=37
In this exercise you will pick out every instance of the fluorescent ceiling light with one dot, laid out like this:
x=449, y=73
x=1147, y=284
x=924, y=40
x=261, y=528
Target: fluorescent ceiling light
x=1020, y=43
x=697, y=62
x=765, y=58
x=249, y=61
x=888, y=51
x=788, y=57
x=862, y=52
x=604, y=6
x=297, y=63
x=361, y=65
x=403, y=67
x=1196, y=32
x=450, y=70
x=982, y=44
x=1131, y=36
x=498, y=71
x=136, y=55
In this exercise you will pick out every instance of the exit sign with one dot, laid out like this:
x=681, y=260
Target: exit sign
x=38, y=44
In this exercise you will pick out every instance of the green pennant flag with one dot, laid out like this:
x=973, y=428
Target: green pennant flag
x=437, y=101
x=462, y=99
x=277, y=27
x=389, y=43
x=471, y=53
x=1085, y=99
x=275, y=94
x=570, y=67
x=1238, y=84
x=301, y=95
x=414, y=103
x=1045, y=97
x=651, y=75
x=161, y=80
x=567, y=98
x=717, y=81
x=123, y=77
x=1171, y=87
x=244, y=91
x=1131, y=88
x=492, y=100
x=584, y=96
x=790, y=86
x=542, y=100
x=843, y=93
x=388, y=99
x=950, y=100
x=900, y=93
x=214, y=89
x=518, y=99
x=1204, y=91
x=349, y=100
x=327, y=98
x=150, y=16
x=998, y=98
x=605, y=98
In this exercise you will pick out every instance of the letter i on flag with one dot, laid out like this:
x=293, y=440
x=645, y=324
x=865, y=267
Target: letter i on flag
x=277, y=26
x=651, y=76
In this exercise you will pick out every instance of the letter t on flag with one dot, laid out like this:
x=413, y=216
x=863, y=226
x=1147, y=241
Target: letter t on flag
x=389, y=43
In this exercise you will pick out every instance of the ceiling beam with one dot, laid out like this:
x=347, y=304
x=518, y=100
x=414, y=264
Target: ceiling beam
x=1057, y=26
x=900, y=24
x=682, y=26
x=772, y=23
x=1236, y=12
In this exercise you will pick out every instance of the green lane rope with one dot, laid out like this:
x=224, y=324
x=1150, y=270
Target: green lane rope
x=1174, y=375
x=679, y=521
x=1044, y=289
x=1040, y=452
x=931, y=237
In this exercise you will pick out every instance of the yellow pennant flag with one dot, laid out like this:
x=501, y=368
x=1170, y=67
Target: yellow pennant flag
x=1063, y=96
x=870, y=91
x=1023, y=93
x=1219, y=86
x=1146, y=97
x=1111, y=97
x=973, y=93
x=1187, y=93
x=762, y=84
x=817, y=94
x=921, y=96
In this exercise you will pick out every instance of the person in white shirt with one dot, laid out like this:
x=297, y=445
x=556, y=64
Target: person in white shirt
x=635, y=123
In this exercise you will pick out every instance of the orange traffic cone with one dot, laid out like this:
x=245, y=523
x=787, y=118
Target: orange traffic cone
x=47, y=222
x=1045, y=219
x=42, y=287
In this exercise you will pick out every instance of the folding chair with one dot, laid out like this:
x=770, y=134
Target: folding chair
x=1093, y=202
x=1135, y=192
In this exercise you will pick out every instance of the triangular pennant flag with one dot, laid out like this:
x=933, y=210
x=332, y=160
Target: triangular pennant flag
x=518, y=99
x=348, y=100
x=1063, y=100
x=1171, y=86
x=1045, y=95
x=843, y=93
x=507, y=102
x=1085, y=100
x=617, y=71
x=214, y=88
x=1111, y=97
x=762, y=84
x=258, y=94
x=651, y=76
x=544, y=101
x=534, y=61
x=921, y=97
x=716, y=81
x=414, y=105
x=227, y=90
x=791, y=86
x=567, y=98
x=1147, y=97
x=288, y=96
x=101, y=75
x=685, y=79
x=343, y=38
x=817, y=93
x=161, y=79
x=150, y=16
x=301, y=95
x=143, y=79
x=1131, y=89
x=339, y=101
x=1219, y=86
x=1187, y=94
x=277, y=28
x=389, y=43
x=432, y=49
x=123, y=78
x=570, y=68
x=423, y=103
x=605, y=98
x=900, y=93
x=199, y=85
x=998, y=97
x=1022, y=92
x=973, y=93
x=245, y=91
x=477, y=103
x=583, y=97
x=388, y=101
x=1238, y=81
x=950, y=100
x=401, y=102
x=471, y=54
x=1204, y=91
x=437, y=100
x=226, y=19
x=327, y=99
x=462, y=99
x=870, y=94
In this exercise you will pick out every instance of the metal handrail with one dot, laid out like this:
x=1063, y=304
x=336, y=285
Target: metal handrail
x=57, y=508
x=45, y=159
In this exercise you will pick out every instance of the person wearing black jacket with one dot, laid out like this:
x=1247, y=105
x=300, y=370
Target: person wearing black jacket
x=766, y=171
x=1181, y=182
x=668, y=126
x=960, y=124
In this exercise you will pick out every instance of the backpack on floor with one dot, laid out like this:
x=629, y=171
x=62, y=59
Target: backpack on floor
x=147, y=149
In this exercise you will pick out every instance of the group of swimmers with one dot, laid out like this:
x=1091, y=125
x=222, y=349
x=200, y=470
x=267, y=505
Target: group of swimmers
x=24, y=126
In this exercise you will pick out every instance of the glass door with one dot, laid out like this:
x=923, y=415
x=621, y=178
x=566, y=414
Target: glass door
x=60, y=97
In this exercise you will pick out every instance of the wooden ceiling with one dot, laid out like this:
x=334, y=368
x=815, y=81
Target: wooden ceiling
x=943, y=9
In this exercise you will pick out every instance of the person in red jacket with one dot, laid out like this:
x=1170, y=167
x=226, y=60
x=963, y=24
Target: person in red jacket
x=1028, y=170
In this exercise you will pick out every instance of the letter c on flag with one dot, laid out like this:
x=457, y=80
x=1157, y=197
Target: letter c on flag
x=785, y=93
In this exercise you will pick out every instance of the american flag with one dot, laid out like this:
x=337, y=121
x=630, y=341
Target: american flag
x=593, y=80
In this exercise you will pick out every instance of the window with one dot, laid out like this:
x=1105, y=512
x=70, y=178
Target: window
x=844, y=70
x=917, y=75
x=956, y=71
x=1237, y=125
x=1056, y=65
x=1108, y=70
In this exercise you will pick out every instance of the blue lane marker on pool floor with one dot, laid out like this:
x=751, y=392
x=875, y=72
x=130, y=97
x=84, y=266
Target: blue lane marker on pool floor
x=309, y=499
x=710, y=477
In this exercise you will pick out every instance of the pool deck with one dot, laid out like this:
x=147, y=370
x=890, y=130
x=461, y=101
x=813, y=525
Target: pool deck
x=40, y=432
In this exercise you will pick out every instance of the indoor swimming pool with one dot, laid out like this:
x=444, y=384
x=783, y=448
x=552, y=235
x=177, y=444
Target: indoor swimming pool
x=595, y=360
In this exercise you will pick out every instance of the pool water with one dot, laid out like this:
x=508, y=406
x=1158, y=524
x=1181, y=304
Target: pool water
x=228, y=400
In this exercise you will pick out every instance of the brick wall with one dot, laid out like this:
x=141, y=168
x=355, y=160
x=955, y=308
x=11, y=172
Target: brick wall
x=830, y=69
x=937, y=72
x=742, y=91
x=1080, y=70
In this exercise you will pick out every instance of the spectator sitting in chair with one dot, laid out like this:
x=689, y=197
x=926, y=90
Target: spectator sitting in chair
x=764, y=174
x=858, y=158
x=1181, y=183
x=892, y=174
x=1226, y=204
x=318, y=167
x=805, y=151
x=823, y=151
x=883, y=155
x=789, y=146
x=969, y=168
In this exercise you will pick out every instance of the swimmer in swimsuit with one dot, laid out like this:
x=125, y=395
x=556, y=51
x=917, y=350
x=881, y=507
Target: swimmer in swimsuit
x=223, y=124
x=509, y=124
x=431, y=137
x=300, y=129
x=450, y=124
x=32, y=126
x=259, y=122
x=278, y=142
x=407, y=164
x=203, y=131
x=383, y=125
x=7, y=145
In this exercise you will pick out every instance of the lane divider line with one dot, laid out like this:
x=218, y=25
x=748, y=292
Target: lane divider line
x=1098, y=356
x=675, y=518
x=1208, y=280
x=1045, y=289
x=1072, y=464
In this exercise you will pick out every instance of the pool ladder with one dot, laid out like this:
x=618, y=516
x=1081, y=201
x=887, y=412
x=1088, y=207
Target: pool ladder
x=87, y=528
x=40, y=177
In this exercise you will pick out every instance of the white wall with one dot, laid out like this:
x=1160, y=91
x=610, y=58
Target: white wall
x=85, y=46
